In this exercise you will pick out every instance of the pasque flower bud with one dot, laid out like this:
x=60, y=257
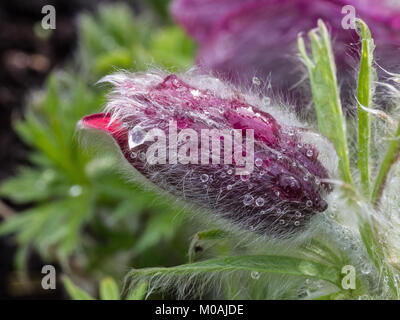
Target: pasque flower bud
x=230, y=153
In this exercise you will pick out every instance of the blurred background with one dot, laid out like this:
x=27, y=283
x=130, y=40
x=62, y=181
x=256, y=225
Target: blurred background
x=61, y=205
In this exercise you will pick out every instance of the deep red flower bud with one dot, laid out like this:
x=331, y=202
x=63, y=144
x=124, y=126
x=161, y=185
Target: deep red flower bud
x=280, y=182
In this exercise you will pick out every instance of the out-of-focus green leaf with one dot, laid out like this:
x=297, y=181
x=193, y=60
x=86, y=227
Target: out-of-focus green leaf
x=74, y=291
x=109, y=289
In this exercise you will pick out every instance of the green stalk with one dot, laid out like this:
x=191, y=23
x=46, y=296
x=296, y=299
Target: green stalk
x=390, y=158
x=364, y=95
x=325, y=93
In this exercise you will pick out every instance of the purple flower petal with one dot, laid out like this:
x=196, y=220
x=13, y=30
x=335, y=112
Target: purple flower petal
x=258, y=38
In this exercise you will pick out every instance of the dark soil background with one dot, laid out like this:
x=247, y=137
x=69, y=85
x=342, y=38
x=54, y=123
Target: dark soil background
x=26, y=59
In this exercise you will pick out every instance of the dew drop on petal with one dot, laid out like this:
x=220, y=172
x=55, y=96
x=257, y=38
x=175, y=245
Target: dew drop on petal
x=309, y=153
x=142, y=156
x=195, y=93
x=258, y=162
x=136, y=137
x=260, y=202
x=297, y=214
x=309, y=203
x=248, y=199
x=204, y=178
x=282, y=221
x=296, y=223
x=229, y=187
x=133, y=155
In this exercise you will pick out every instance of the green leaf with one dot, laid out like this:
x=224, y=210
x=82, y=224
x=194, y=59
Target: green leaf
x=253, y=263
x=322, y=70
x=213, y=234
x=75, y=292
x=364, y=96
x=109, y=289
x=139, y=292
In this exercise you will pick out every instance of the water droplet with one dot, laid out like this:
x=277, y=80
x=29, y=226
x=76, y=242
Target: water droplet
x=260, y=202
x=229, y=187
x=296, y=223
x=75, y=190
x=366, y=269
x=204, y=178
x=133, y=155
x=256, y=81
x=317, y=181
x=266, y=101
x=309, y=153
x=262, y=212
x=248, y=199
x=142, y=156
x=136, y=136
x=300, y=145
x=282, y=222
x=195, y=93
x=258, y=162
x=255, y=275
x=294, y=164
x=229, y=171
x=309, y=203
x=305, y=178
x=244, y=178
x=297, y=214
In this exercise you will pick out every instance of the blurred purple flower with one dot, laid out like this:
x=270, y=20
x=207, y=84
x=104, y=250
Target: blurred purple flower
x=242, y=39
